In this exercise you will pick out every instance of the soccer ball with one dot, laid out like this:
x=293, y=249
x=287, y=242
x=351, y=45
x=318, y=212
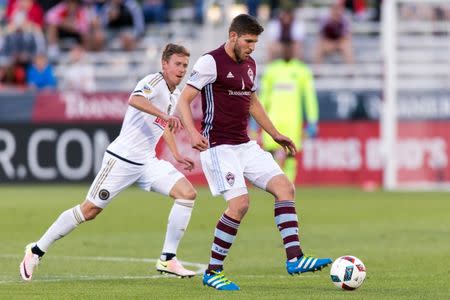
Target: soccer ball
x=348, y=272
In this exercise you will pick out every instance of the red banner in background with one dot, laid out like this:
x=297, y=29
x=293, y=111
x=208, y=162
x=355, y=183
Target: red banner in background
x=351, y=154
x=74, y=107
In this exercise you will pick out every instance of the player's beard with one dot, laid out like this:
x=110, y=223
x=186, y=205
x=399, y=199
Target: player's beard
x=238, y=52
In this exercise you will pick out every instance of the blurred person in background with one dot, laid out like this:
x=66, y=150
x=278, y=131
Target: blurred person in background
x=155, y=11
x=40, y=73
x=79, y=73
x=119, y=18
x=334, y=35
x=285, y=27
x=287, y=93
x=30, y=8
x=70, y=19
x=22, y=41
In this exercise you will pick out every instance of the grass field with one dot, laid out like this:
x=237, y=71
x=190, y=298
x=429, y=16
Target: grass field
x=403, y=238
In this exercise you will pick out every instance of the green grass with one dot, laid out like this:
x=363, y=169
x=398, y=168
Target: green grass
x=403, y=238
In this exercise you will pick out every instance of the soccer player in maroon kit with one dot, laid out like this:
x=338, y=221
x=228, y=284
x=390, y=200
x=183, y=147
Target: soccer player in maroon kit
x=226, y=78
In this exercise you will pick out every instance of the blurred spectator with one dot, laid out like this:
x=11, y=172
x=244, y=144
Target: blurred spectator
x=285, y=28
x=67, y=20
x=23, y=40
x=335, y=35
x=123, y=18
x=40, y=73
x=78, y=74
x=252, y=7
x=155, y=11
x=357, y=7
x=30, y=8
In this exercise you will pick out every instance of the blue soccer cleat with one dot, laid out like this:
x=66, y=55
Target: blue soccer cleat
x=305, y=264
x=217, y=280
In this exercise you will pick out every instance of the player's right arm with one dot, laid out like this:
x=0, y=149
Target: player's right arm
x=203, y=73
x=143, y=104
x=188, y=95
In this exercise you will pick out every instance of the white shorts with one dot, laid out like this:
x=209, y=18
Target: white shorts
x=116, y=174
x=227, y=166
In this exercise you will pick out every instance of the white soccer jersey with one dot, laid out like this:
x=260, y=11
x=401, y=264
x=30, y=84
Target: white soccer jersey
x=141, y=131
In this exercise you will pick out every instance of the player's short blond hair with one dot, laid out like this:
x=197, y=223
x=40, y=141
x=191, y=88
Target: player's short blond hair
x=172, y=49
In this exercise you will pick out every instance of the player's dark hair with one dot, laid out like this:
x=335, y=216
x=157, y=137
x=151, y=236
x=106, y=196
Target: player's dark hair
x=245, y=24
x=172, y=49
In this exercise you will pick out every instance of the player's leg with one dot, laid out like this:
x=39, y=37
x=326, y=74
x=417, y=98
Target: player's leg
x=262, y=170
x=161, y=176
x=286, y=220
x=114, y=176
x=224, y=235
x=222, y=170
x=184, y=196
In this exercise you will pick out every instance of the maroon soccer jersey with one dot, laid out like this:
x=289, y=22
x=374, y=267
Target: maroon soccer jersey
x=226, y=88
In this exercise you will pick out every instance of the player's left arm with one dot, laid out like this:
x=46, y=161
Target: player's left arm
x=169, y=138
x=259, y=114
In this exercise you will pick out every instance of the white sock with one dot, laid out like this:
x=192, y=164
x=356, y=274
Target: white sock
x=178, y=221
x=66, y=222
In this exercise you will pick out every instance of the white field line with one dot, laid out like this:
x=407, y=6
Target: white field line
x=200, y=268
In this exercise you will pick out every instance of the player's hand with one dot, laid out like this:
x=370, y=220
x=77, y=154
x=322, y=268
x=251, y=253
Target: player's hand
x=188, y=164
x=199, y=142
x=174, y=123
x=312, y=130
x=286, y=143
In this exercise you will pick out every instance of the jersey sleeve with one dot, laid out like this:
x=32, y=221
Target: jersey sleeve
x=145, y=89
x=203, y=72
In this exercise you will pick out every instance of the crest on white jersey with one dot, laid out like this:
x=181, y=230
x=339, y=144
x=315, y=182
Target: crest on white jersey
x=250, y=74
x=147, y=90
x=230, y=75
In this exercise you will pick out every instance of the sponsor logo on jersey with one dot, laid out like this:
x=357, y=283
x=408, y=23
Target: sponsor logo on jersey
x=230, y=75
x=194, y=76
x=160, y=123
x=250, y=74
x=239, y=93
x=230, y=178
x=103, y=194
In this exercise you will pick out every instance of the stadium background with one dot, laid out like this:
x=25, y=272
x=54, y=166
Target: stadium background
x=42, y=141
x=54, y=137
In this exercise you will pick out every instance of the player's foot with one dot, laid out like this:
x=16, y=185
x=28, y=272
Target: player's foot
x=174, y=267
x=29, y=263
x=305, y=264
x=217, y=280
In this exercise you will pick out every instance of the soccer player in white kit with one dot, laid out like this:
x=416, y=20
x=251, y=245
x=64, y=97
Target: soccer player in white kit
x=130, y=158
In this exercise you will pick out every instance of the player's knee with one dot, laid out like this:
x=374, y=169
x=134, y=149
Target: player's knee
x=189, y=194
x=285, y=190
x=90, y=211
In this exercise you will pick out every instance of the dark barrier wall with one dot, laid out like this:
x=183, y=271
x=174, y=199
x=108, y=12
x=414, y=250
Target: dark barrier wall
x=55, y=153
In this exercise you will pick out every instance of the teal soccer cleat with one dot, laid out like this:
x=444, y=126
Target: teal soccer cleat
x=305, y=264
x=217, y=280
